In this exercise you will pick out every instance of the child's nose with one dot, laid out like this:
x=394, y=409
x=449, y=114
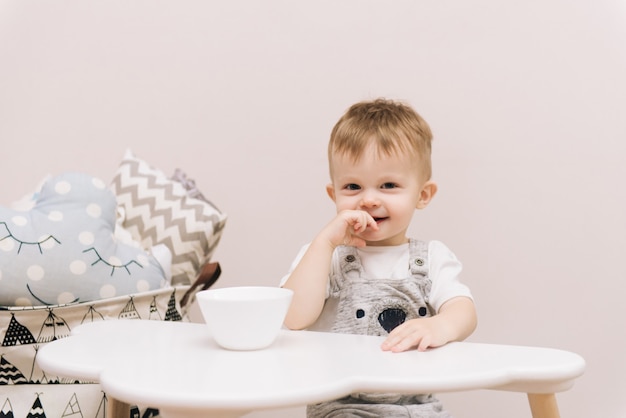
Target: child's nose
x=369, y=201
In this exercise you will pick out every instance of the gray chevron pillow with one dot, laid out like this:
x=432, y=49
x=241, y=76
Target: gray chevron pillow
x=160, y=210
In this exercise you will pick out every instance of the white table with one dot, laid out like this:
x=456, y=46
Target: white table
x=179, y=369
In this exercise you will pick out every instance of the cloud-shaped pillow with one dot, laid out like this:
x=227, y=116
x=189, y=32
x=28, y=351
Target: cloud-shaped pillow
x=63, y=249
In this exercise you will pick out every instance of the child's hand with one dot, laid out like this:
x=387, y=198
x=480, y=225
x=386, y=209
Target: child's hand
x=346, y=226
x=419, y=333
x=455, y=321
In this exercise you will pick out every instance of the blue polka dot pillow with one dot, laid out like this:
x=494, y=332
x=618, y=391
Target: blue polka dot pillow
x=63, y=249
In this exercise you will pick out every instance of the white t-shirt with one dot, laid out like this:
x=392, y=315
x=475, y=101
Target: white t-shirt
x=393, y=262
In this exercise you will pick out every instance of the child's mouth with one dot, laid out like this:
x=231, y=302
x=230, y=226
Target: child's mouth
x=379, y=220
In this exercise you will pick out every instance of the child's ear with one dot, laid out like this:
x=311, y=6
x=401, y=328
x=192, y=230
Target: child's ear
x=330, y=191
x=429, y=189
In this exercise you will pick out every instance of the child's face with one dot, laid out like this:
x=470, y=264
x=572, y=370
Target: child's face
x=389, y=188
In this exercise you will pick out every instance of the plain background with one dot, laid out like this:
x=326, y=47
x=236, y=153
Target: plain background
x=526, y=101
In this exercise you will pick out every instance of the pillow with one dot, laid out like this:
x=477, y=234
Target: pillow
x=160, y=210
x=63, y=250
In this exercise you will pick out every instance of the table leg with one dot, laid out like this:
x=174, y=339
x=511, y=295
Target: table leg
x=117, y=409
x=543, y=405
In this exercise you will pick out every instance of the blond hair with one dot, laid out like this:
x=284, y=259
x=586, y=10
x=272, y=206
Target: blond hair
x=393, y=127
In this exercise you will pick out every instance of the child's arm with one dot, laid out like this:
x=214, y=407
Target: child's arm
x=310, y=277
x=455, y=321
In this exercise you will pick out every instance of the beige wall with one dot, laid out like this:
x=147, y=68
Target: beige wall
x=526, y=100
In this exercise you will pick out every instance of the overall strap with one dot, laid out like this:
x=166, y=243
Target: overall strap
x=349, y=259
x=418, y=264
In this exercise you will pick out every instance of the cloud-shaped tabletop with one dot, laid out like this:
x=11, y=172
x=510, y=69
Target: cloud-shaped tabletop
x=301, y=367
x=63, y=249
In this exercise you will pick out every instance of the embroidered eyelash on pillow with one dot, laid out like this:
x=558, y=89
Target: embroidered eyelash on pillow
x=63, y=249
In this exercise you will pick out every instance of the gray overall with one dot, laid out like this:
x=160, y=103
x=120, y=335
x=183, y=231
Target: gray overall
x=361, y=305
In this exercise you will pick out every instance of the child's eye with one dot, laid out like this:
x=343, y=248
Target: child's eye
x=389, y=186
x=352, y=186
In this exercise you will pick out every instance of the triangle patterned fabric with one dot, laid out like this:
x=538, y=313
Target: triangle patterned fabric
x=25, y=387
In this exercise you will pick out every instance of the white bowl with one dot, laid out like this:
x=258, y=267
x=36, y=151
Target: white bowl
x=244, y=318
